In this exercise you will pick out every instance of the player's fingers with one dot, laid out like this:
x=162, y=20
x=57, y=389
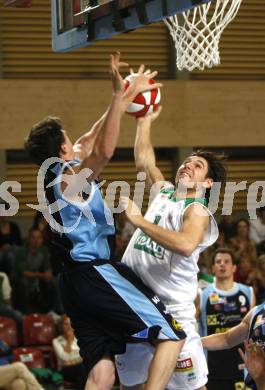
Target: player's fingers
x=261, y=352
x=111, y=59
x=250, y=346
x=116, y=59
x=153, y=74
x=154, y=86
x=147, y=72
x=123, y=64
x=246, y=345
x=158, y=110
x=113, y=66
x=141, y=68
x=241, y=353
x=117, y=56
x=131, y=71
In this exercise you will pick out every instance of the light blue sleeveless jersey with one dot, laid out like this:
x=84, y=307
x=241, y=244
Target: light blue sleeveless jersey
x=87, y=224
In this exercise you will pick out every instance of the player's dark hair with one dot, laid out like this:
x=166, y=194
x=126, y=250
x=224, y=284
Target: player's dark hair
x=216, y=166
x=45, y=140
x=225, y=250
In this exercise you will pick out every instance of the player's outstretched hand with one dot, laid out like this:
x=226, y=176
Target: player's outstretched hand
x=140, y=80
x=139, y=83
x=117, y=80
x=150, y=117
x=254, y=358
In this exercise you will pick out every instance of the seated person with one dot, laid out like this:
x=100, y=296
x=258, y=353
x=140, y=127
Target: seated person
x=9, y=233
x=16, y=376
x=41, y=224
x=257, y=229
x=246, y=270
x=37, y=288
x=259, y=280
x=69, y=360
x=6, y=309
x=242, y=244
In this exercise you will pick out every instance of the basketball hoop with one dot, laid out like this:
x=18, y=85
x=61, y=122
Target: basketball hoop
x=197, y=33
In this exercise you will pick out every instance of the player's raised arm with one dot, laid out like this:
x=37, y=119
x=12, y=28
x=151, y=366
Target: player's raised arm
x=145, y=160
x=105, y=133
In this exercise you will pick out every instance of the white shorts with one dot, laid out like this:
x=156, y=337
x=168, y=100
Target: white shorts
x=191, y=369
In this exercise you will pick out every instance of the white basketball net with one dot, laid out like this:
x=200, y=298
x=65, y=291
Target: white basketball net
x=197, y=33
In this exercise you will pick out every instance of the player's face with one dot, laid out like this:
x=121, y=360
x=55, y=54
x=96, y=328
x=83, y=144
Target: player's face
x=223, y=267
x=193, y=173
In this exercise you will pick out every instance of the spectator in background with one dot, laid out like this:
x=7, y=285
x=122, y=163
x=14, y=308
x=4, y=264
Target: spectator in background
x=8, y=263
x=241, y=243
x=125, y=227
x=228, y=226
x=37, y=288
x=16, y=376
x=5, y=290
x=41, y=224
x=69, y=361
x=257, y=230
x=56, y=253
x=120, y=246
x=10, y=237
x=6, y=309
x=205, y=259
x=9, y=233
x=259, y=281
x=246, y=270
x=124, y=232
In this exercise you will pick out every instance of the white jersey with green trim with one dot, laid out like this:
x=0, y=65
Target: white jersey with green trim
x=173, y=277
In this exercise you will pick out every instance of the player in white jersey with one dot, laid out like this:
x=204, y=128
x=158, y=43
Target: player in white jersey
x=164, y=251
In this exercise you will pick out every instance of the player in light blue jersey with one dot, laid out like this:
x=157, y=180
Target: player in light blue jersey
x=252, y=329
x=108, y=305
x=223, y=304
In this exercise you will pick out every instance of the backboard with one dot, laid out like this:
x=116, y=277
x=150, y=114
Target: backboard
x=17, y=3
x=78, y=23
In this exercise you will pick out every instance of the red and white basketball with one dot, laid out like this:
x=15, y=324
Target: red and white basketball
x=144, y=103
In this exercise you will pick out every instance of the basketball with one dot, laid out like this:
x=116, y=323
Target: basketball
x=144, y=103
